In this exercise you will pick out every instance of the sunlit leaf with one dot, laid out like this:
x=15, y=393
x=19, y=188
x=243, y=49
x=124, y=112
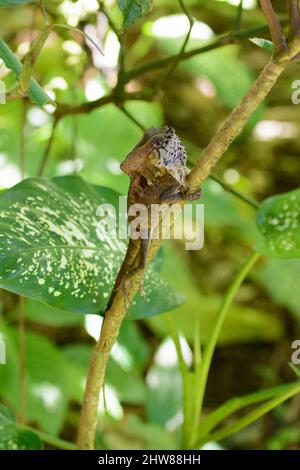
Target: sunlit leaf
x=243, y=324
x=14, y=3
x=55, y=247
x=133, y=10
x=36, y=93
x=47, y=388
x=278, y=221
x=264, y=43
x=281, y=279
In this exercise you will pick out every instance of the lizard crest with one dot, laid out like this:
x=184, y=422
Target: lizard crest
x=159, y=152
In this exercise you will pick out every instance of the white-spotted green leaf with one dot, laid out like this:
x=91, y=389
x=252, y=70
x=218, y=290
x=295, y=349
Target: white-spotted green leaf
x=133, y=10
x=57, y=246
x=264, y=43
x=278, y=219
x=12, y=438
x=14, y=3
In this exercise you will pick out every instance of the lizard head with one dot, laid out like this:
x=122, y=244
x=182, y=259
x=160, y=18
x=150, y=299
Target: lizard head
x=159, y=152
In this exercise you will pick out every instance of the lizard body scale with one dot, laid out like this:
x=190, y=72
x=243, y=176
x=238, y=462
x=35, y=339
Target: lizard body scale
x=157, y=170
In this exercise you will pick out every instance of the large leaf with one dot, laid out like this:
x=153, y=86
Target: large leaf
x=133, y=10
x=48, y=390
x=54, y=248
x=14, y=3
x=36, y=93
x=278, y=221
x=281, y=279
x=12, y=438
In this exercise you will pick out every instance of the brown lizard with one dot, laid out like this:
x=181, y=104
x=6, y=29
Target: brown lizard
x=157, y=170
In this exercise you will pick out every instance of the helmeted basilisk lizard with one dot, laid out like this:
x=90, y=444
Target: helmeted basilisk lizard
x=157, y=170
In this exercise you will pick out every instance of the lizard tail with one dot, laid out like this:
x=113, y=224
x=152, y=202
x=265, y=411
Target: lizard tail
x=129, y=261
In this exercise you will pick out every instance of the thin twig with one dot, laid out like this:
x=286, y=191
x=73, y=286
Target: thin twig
x=78, y=31
x=64, y=110
x=121, y=58
x=178, y=57
x=132, y=118
x=235, y=123
x=22, y=138
x=22, y=373
x=44, y=13
x=48, y=147
x=248, y=200
x=294, y=19
x=275, y=28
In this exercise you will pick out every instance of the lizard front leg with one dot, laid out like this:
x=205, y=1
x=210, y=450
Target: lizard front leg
x=176, y=194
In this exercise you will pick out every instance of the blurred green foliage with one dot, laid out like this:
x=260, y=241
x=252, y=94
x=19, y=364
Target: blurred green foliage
x=144, y=395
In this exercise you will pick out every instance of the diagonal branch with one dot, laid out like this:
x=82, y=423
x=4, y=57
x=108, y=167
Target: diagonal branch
x=276, y=31
x=178, y=57
x=294, y=19
x=235, y=123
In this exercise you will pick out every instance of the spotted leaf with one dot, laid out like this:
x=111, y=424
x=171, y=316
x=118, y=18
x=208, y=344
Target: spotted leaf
x=278, y=220
x=133, y=10
x=57, y=245
x=12, y=438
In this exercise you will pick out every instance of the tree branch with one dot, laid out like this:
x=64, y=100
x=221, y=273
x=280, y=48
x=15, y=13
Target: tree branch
x=294, y=19
x=275, y=28
x=48, y=147
x=225, y=40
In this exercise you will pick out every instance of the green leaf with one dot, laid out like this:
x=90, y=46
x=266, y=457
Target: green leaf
x=31, y=58
x=281, y=279
x=14, y=3
x=12, y=438
x=133, y=10
x=36, y=93
x=164, y=397
x=43, y=314
x=28, y=440
x=278, y=221
x=56, y=249
x=264, y=43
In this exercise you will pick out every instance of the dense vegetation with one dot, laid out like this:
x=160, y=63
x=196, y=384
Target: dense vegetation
x=103, y=72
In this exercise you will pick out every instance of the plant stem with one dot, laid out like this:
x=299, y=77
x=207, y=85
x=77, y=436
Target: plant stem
x=185, y=379
x=211, y=345
x=248, y=200
x=237, y=403
x=48, y=147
